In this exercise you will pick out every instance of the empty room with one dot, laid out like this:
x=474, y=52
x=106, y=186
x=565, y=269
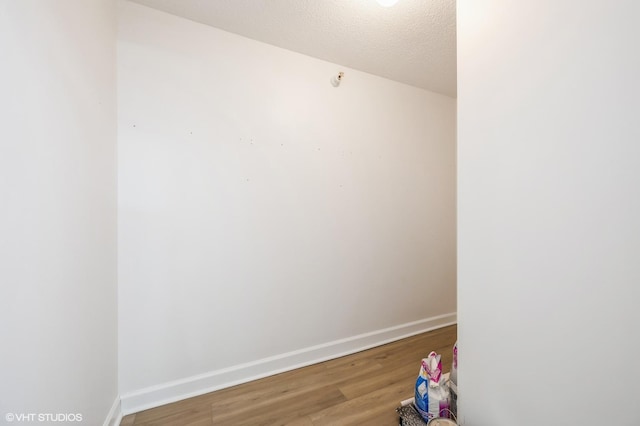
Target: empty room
x=269, y=212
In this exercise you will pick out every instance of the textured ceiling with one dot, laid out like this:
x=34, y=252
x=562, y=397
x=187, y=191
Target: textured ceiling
x=413, y=42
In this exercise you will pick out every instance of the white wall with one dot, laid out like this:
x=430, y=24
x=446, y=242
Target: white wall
x=263, y=211
x=58, y=217
x=549, y=212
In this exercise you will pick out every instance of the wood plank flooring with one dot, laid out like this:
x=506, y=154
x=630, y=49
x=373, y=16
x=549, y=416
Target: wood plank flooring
x=359, y=389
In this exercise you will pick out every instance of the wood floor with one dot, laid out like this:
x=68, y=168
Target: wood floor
x=359, y=389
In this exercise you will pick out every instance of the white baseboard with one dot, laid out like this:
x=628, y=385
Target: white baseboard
x=177, y=390
x=115, y=414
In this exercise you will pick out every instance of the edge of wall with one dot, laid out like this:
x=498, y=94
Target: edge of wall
x=165, y=393
x=115, y=414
